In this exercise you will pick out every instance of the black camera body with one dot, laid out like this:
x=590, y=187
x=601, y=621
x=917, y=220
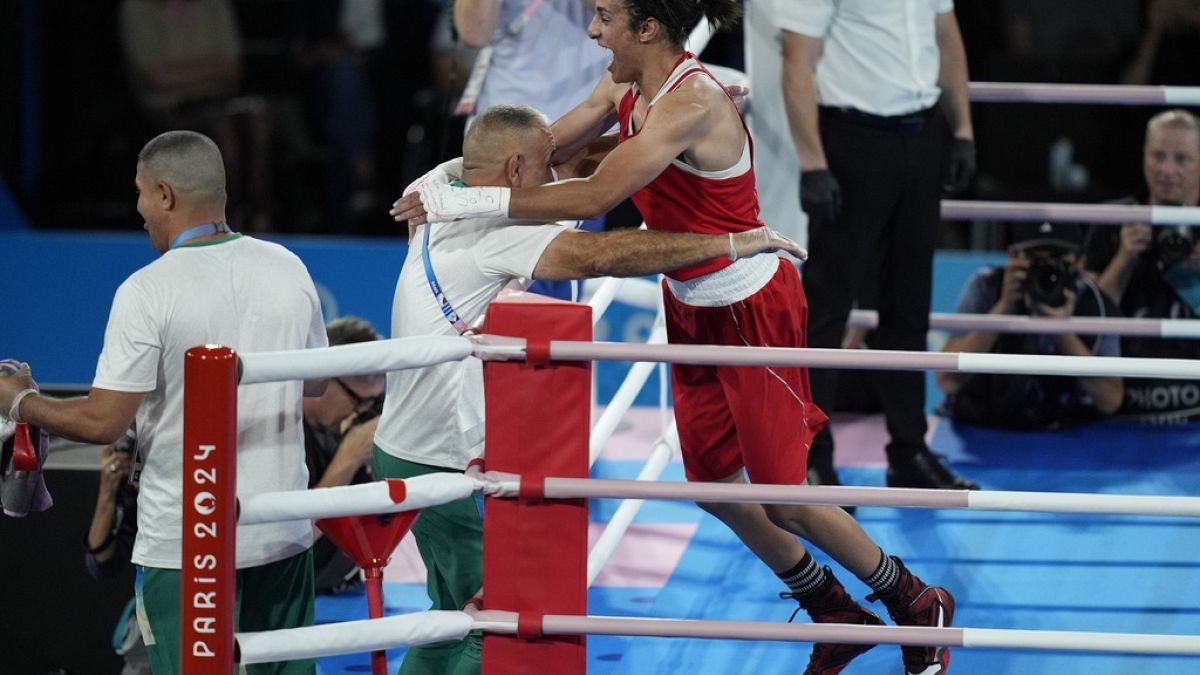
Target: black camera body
x=375, y=410
x=1047, y=281
x=1173, y=245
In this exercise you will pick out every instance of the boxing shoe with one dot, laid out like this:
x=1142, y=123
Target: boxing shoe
x=830, y=603
x=915, y=603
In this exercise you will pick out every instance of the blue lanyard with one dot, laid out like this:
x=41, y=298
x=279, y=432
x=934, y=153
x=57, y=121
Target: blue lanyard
x=216, y=227
x=436, y=288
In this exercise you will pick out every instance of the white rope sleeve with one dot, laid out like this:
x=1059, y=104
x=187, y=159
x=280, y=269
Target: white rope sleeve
x=1126, y=643
x=351, y=637
x=1181, y=328
x=1174, y=215
x=1189, y=96
x=356, y=500
x=355, y=359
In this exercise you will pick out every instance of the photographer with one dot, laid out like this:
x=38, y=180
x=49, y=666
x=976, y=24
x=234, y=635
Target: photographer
x=1040, y=278
x=1154, y=272
x=108, y=544
x=338, y=430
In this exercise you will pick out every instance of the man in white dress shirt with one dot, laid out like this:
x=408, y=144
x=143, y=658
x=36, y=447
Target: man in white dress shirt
x=876, y=92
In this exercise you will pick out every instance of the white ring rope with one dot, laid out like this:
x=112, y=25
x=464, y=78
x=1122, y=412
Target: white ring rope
x=378, y=356
x=1040, y=325
x=1103, y=94
x=870, y=359
x=435, y=626
x=746, y=493
x=353, y=359
x=623, y=517
x=1134, y=643
x=357, y=500
x=603, y=297
x=442, y=488
x=1110, y=214
x=348, y=637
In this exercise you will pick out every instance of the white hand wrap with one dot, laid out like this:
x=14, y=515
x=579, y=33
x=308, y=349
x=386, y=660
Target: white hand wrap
x=445, y=203
x=14, y=411
x=438, y=175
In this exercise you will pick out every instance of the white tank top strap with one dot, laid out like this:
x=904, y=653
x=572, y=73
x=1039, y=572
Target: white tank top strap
x=685, y=69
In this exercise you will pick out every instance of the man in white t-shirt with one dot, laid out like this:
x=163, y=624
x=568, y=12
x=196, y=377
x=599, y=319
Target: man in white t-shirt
x=210, y=286
x=433, y=417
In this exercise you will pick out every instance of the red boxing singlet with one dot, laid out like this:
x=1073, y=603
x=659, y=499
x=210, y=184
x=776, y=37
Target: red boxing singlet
x=685, y=199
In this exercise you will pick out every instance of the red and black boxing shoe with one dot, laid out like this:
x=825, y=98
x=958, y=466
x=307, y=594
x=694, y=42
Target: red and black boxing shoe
x=915, y=603
x=830, y=603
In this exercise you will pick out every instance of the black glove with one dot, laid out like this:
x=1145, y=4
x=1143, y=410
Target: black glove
x=820, y=195
x=960, y=166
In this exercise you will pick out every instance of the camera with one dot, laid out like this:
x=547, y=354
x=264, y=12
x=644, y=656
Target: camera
x=375, y=410
x=127, y=444
x=1173, y=245
x=1047, y=281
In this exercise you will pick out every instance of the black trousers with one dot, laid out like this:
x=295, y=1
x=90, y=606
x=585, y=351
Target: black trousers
x=880, y=246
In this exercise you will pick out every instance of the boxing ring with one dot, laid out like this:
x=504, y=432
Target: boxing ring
x=536, y=615
x=538, y=454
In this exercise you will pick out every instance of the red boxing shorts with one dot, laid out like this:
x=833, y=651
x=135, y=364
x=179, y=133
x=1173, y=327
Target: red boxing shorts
x=762, y=419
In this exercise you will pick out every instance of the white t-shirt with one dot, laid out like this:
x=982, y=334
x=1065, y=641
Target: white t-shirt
x=241, y=292
x=878, y=56
x=776, y=165
x=434, y=415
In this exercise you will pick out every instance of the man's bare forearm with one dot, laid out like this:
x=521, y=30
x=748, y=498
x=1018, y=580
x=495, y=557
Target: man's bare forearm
x=800, y=98
x=953, y=77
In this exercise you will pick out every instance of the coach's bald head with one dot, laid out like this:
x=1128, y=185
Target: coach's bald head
x=508, y=146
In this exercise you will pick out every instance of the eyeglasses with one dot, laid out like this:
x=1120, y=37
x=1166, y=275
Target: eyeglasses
x=359, y=401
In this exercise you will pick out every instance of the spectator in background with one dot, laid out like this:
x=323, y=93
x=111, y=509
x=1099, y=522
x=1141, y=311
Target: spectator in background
x=1169, y=48
x=185, y=63
x=182, y=55
x=1067, y=40
x=535, y=53
x=338, y=430
x=1155, y=272
x=109, y=542
x=338, y=43
x=1040, y=278
x=870, y=121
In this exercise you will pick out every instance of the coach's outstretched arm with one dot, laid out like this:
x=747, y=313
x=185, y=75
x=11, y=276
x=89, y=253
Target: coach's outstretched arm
x=631, y=253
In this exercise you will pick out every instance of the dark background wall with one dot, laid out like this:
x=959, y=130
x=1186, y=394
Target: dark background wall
x=54, y=618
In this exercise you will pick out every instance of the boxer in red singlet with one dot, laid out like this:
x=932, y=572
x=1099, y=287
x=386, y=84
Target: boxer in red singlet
x=685, y=156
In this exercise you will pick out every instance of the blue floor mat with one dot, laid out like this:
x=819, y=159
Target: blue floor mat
x=1007, y=570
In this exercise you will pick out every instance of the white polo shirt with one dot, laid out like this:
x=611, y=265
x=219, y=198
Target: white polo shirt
x=879, y=56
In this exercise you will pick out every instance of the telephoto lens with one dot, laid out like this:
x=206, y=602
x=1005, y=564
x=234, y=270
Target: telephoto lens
x=1047, y=281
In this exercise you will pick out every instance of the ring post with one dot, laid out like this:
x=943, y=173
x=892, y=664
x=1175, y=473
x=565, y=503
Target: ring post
x=209, y=510
x=535, y=551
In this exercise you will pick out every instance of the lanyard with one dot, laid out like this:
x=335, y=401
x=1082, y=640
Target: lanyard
x=436, y=288
x=215, y=227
